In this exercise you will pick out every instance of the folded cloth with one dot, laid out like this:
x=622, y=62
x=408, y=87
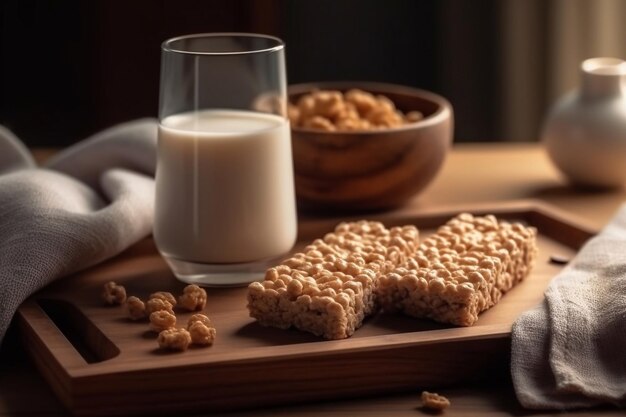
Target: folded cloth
x=89, y=203
x=570, y=352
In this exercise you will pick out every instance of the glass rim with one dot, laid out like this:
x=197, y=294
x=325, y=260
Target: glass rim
x=166, y=45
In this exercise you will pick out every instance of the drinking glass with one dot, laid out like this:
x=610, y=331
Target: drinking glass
x=225, y=204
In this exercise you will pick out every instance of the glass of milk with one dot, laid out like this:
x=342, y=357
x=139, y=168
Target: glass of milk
x=225, y=204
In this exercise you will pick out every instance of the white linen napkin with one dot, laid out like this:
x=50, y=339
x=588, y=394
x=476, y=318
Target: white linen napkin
x=87, y=204
x=570, y=352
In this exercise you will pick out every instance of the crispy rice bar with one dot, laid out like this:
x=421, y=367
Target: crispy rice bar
x=328, y=289
x=461, y=270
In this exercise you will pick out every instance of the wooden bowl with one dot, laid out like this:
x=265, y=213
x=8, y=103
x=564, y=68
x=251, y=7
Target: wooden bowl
x=371, y=170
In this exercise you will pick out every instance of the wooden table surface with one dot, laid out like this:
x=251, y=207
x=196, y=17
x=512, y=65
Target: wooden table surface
x=472, y=173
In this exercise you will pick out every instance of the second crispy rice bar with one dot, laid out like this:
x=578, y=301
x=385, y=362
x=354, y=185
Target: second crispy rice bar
x=461, y=270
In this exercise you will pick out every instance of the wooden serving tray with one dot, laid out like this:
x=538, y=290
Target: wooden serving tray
x=98, y=363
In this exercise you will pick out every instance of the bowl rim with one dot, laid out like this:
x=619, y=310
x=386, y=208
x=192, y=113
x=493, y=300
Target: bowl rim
x=441, y=114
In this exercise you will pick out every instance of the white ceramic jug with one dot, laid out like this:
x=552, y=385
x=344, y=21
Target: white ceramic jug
x=585, y=132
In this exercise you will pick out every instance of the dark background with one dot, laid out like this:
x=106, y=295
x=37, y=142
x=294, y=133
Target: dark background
x=71, y=68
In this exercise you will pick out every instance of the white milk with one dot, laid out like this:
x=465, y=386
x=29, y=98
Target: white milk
x=225, y=191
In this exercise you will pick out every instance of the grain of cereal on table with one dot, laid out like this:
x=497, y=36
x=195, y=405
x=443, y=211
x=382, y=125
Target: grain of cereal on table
x=433, y=401
x=113, y=294
x=135, y=308
x=159, y=308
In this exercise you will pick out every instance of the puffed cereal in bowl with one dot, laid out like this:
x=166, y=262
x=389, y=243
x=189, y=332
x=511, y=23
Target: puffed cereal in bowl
x=356, y=110
x=360, y=146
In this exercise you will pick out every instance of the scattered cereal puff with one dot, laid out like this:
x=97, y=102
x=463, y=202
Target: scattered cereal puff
x=165, y=296
x=162, y=320
x=113, y=293
x=158, y=304
x=433, y=401
x=193, y=298
x=174, y=339
x=201, y=318
x=201, y=334
x=135, y=308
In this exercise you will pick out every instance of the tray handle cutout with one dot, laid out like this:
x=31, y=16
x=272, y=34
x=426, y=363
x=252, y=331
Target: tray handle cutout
x=85, y=337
